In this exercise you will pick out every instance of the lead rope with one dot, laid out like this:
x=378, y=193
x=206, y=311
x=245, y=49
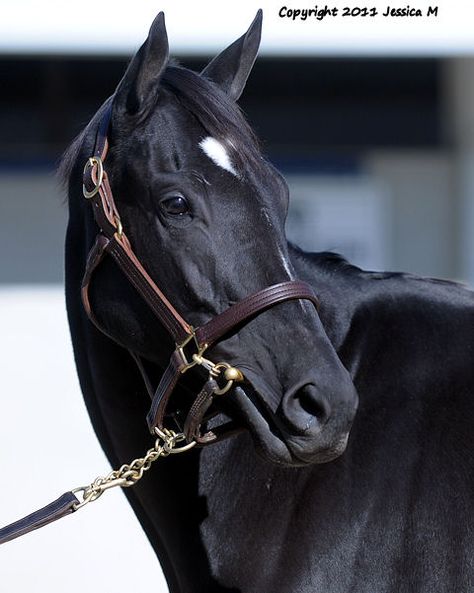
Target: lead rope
x=166, y=443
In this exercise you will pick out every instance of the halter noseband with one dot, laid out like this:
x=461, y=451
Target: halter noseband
x=191, y=343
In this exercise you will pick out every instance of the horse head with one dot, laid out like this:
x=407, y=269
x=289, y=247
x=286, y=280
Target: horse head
x=205, y=214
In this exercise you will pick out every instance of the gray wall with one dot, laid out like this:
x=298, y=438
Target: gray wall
x=32, y=226
x=424, y=206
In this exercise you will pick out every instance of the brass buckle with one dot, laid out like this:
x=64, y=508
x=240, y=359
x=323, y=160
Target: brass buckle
x=92, y=162
x=118, y=226
x=196, y=357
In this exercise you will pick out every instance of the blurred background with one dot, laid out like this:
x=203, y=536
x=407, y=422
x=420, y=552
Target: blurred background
x=370, y=121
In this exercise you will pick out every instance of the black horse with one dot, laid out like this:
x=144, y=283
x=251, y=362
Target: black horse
x=205, y=213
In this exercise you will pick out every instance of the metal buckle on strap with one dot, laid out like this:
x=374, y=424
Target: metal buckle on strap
x=191, y=360
x=231, y=374
x=93, y=161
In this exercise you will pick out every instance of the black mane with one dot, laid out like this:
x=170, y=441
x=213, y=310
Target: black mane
x=71, y=154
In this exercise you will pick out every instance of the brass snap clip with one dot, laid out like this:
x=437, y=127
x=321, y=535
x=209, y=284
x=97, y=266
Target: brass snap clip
x=231, y=375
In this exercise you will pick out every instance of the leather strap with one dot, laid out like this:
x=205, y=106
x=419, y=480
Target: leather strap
x=61, y=507
x=194, y=419
x=94, y=258
x=166, y=386
x=120, y=250
x=251, y=306
x=122, y=253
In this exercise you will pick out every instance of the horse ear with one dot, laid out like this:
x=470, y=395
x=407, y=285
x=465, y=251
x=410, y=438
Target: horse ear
x=231, y=68
x=138, y=88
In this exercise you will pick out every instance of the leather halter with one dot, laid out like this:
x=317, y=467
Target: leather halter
x=112, y=240
x=191, y=343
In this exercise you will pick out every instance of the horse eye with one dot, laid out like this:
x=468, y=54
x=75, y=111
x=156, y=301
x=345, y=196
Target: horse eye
x=175, y=205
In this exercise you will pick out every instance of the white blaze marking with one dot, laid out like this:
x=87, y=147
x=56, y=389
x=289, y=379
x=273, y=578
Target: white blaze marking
x=217, y=153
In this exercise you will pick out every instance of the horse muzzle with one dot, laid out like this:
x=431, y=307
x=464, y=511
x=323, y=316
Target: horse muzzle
x=308, y=426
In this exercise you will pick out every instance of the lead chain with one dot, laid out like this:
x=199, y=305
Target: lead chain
x=130, y=473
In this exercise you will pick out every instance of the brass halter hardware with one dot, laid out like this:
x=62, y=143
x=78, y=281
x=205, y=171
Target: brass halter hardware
x=196, y=358
x=231, y=373
x=94, y=161
x=118, y=224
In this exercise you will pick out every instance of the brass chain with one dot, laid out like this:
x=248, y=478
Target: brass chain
x=165, y=444
x=130, y=473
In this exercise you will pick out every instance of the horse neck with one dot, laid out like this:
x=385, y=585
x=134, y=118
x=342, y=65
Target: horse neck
x=336, y=284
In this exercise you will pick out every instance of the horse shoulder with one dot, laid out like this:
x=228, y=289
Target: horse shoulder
x=407, y=475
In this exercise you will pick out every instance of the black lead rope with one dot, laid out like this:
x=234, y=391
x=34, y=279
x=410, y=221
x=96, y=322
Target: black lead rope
x=166, y=443
x=64, y=505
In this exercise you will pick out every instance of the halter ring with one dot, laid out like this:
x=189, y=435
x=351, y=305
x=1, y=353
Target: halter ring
x=92, y=162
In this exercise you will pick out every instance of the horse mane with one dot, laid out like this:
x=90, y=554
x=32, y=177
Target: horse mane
x=219, y=115
x=327, y=261
x=71, y=154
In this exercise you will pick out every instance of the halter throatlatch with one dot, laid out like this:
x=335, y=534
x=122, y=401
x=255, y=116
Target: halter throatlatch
x=190, y=343
x=190, y=346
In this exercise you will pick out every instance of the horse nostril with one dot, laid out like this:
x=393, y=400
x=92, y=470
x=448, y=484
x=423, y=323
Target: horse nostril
x=312, y=403
x=305, y=408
